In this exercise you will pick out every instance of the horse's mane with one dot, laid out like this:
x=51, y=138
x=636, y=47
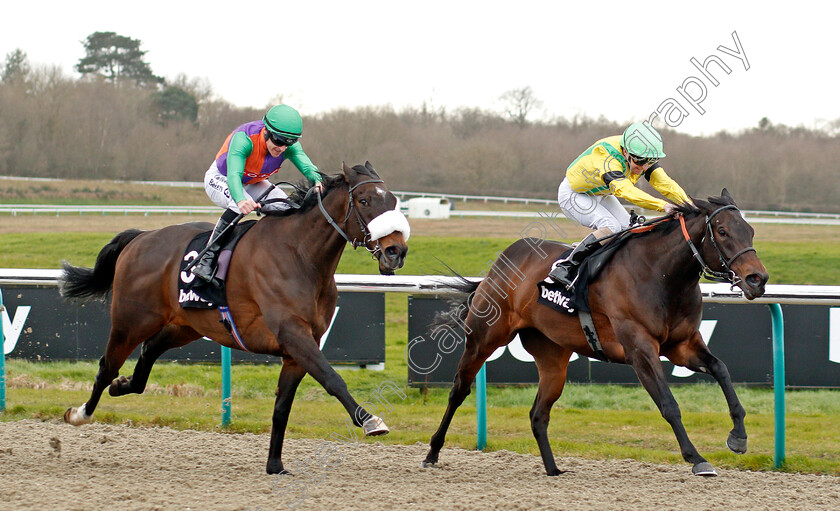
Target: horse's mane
x=690, y=211
x=302, y=202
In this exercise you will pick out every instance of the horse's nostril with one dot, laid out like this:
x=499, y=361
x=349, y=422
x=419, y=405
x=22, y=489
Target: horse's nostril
x=392, y=252
x=755, y=280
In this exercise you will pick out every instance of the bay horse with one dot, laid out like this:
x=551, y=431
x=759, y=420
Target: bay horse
x=281, y=292
x=645, y=303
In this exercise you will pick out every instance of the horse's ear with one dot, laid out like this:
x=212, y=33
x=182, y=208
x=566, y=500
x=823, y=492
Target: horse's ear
x=370, y=168
x=724, y=194
x=348, y=172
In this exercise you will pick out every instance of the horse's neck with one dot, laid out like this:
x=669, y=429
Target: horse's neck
x=318, y=242
x=674, y=257
x=684, y=262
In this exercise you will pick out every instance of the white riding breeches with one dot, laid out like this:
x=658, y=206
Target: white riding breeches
x=216, y=186
x=593, y=211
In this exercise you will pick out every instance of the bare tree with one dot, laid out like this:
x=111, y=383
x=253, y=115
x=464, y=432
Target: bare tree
x=519, y=103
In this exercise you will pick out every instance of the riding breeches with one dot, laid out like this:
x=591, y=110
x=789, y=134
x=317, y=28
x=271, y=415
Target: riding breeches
x=593, y=211
x=216, y=186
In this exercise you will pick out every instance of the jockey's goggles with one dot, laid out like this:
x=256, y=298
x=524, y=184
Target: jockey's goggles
x=643, y=161
x=279, y=140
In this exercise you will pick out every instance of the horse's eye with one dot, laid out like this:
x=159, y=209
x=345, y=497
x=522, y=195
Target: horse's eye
x=721, y=231
x=363, y=202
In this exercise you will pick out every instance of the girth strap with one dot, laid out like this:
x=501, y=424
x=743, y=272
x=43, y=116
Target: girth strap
x=591, y=335
x=227, y=321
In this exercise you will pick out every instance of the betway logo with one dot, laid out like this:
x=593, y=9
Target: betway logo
x=189, y=296
x=12, y=329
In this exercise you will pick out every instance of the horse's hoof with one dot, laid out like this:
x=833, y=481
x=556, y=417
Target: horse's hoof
x=704, y=468
x=555, y=472
x=427, y=464
x=76, y=416
x=736, y=445
x=375, y=426
x=118, y=386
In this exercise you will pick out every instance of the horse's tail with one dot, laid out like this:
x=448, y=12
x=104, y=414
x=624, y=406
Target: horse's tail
x=96, y=282
x=459, y=304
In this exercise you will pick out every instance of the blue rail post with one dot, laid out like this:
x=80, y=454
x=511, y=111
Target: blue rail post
x=2, y=358
x=779, y=381
x=225, y=386
x=481, y=407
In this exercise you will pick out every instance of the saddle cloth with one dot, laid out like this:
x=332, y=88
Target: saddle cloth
x=194, y=292
x=556, y=296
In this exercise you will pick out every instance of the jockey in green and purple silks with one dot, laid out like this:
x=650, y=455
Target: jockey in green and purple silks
x=249, y=155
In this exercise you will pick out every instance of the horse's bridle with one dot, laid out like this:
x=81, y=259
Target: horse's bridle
x=706, y=272
x=362, y=223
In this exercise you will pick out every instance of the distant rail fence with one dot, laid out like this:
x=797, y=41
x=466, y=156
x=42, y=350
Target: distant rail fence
x=53, y=210
x=754, y=216
x=775, y=217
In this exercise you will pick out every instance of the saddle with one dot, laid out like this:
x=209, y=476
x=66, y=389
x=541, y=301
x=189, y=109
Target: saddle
x=575, y=301
x=556, y=296
x=194, y=292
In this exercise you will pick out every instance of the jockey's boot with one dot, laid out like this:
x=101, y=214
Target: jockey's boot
x=565, y=268
x=205, y=269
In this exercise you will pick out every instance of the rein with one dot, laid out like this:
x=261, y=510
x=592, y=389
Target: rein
x=706, y=272
x=362, y=224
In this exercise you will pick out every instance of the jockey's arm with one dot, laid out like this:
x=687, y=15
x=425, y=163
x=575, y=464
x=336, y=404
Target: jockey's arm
x=295, y=154
x=239, y=150
x=663, y=184
x=625, y=189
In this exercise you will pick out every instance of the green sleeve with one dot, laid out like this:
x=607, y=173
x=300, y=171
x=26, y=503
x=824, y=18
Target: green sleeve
x=295, y=154
x=238, y=151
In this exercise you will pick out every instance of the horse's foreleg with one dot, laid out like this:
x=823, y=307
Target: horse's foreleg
x=168, y=337
x=697, y=357
x=290, y=376
x=552, y=362
x=297, y=340
x=641, y=354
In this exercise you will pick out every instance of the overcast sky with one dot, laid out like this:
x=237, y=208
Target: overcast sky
x=620, y=60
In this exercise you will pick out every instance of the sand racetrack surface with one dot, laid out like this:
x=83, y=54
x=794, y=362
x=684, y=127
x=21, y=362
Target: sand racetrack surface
x=50, y=465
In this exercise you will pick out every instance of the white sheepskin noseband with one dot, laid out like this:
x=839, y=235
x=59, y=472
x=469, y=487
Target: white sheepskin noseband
x=388, y=222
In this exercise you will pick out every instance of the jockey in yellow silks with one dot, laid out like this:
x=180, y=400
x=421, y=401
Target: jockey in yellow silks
x=609, y=169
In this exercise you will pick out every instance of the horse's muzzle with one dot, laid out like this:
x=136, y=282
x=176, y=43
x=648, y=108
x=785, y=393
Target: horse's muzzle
x=392, y=258
x=753, y=285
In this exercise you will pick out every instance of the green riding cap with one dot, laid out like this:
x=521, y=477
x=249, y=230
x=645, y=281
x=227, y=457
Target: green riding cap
x=643, y=141
x=284, y=120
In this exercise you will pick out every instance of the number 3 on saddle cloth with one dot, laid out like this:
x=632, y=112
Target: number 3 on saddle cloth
x=194, y=292
x=575, y=301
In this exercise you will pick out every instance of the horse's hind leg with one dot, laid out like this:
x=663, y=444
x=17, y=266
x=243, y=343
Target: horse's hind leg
x=116, y=352
x=697, y=357
x=552, y=362
x=290, y=376
x=475, y=353
x=170, y=336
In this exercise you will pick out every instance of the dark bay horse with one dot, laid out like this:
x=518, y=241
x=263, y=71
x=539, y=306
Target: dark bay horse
x=281, y=292
x=645, y=303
